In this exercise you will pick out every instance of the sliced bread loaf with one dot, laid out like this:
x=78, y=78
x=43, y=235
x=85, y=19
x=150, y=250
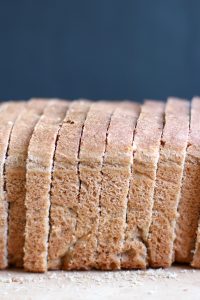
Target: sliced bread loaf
x=116, y=173
x=81, y=254
x=15, y=173
x=38, y=180
x=168, y=183
x=146, y=147
x=8, y=114
x=65, y=185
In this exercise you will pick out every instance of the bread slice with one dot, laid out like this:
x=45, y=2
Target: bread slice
x=8, y=114
x=168, y=183
x=38, y=180
x=65, y=184
x=146, y=147
x=191, y=193
x=81, y=254
x=189, y=205
x=115, y=186
x=15, y=172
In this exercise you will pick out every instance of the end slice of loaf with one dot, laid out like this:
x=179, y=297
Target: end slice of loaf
x=15, y=173
x=38, y=180
x=168, y=183
x=81, y=254
x=8, y=114
x=146, y=147
x=65, y=185
x=115, y=186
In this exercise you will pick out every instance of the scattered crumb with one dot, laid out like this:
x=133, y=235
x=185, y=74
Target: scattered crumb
x=21, y=282
x=183, y=271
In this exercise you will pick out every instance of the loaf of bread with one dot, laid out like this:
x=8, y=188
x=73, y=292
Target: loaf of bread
x=105, y=185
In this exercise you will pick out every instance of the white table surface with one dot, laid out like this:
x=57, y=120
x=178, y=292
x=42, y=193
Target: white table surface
x=173, y=283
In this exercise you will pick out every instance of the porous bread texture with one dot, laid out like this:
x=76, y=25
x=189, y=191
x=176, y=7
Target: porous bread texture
x=15, y=172
x=193, y=209
x=189, y=205
x=116, y=173
x=146, y=147
x=168, y=183
x=65, y=185
x=38, y=180
x=8, y=114
x=81, y=254
x=196, y=258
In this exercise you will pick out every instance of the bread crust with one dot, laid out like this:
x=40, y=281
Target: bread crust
x=8, y=114
x=65, y=185
x=15, y=172
x=146, y=147
x=168, y=183
x=38, y=180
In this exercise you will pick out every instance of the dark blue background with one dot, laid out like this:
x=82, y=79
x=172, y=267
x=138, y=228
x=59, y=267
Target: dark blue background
x=107, y=49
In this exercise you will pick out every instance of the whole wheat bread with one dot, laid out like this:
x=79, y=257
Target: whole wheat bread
x=168, y=183
x=8, y=114
x=146, y=147
x=65, y=185
x=38, y=180
x=196, y=258
x=115, y=186
x=81, y=255
x=15, y=172
x=194, y=207
x=189, y=205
